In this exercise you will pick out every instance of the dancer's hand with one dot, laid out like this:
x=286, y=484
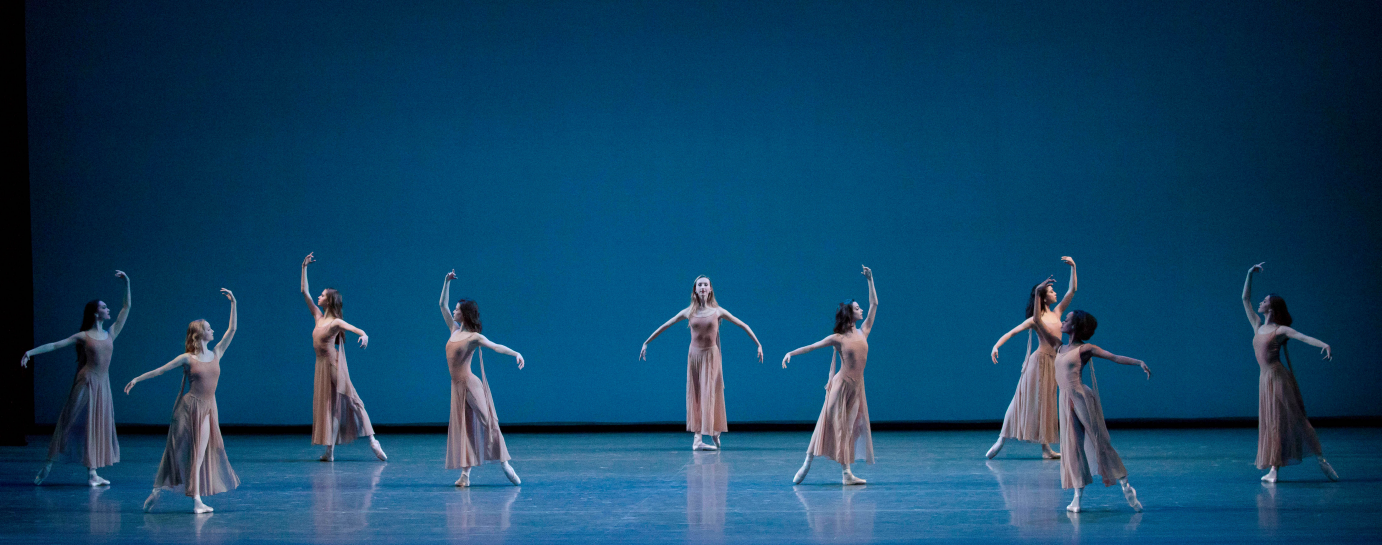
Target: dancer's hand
x=121, y=274
x=364, y=341
x=130, y=386
x=451, y=275
x=643, y=354
x=1067, y=260
x=760, y=353
x=867, y=272
x=1145, y=369
x=1256, y=268
x=520, y=360
x=228, y=294
x=994, y=355
x=1327, y=354
x=786, y=359
x=308, y=260
x=24, y=360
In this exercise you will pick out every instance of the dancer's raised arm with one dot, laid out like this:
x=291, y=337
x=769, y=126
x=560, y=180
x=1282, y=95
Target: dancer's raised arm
x=726, y=315
x=46, y=348
x=873, y=302
x=224, y=343
x=306, y=291
x=1123, y=360
x=124, y=309
x=177, y=362
x=1253, y=318
x=1324, y=348
x=832, y=341
x=446, y=298
x=485, y=342
x=1069, y=292
x=643, y=354
x=1025, y=325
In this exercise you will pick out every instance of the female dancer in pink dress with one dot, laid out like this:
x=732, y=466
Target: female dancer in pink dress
x=842, y=431
x=194, y=457
x=1031, y=415
x=1083, y=435
x=1284, y=434
x=88, y=417
x=705, y=380
x=338, y=414
x=473, y=436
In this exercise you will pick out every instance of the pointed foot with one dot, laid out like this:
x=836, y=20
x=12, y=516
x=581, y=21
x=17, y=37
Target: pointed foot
x=151, y=501
x=993, y=450
x=43, y=474
x=378, y=450
x=511, y=474
x=1328, y=470
x=1130, y=494
x=464, y=481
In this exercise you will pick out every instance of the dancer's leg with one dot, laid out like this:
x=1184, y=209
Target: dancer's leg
x=849, y=478
x=465, y=477
x=378, y=450
x=199, y=460
x=997, y=446
x=1074, y=506
x=1130, y=495
x=805, y=467
x=511, y=474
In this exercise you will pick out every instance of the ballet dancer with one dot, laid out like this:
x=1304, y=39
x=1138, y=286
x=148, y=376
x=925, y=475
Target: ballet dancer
x=705, y=380
x=338, y=414
x=1284, y=434
x=1083, y=435
x=1031, y=414
x=88, y=416
x=843, y=427
x=472, y=435
x=194, y=458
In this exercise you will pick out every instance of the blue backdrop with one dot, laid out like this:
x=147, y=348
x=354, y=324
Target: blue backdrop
x=579, y=163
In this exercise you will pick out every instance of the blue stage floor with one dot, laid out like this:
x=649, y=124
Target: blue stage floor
x=1197, y=485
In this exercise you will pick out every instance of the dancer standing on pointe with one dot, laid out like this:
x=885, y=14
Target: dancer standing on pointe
x=1284, y=434
x=195, y=457
x=705, y=379
x=843, y=427
x=88, y=417
x=1031, y=415
x=338, y=415
x=1083, y=435
x=472, y=436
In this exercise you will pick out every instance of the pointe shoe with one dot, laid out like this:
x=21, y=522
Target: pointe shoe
x=1074, y=506
x=1048, y=454
x=378, y=450
x=1130, y=494
x=329, y=455
x=716, y=437
x=849, y=478
x=1328, y=470
x=699, y=445
x=149, y=503
x=199, y=508
x=42, y=474
x=993, y=450
x=1270, y=477
x=96, y=480
x=801, y=473
x=513, y=476
x=464, y=480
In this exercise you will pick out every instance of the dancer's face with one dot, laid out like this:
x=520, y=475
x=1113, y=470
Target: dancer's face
x=703, y=288
x=456, y=314
x=207, y=332
x=1067, y=326
x=1265, y=305
x=858, y=311
x=321, y=299
x=102, y=311
x=1050, y=296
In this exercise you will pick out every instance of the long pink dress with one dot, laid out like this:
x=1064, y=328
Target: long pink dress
x=338, y=414
x=88, y=417
x=1084, y=443
x=842, y=432
x=180, y=466
x=1032, y=414
x=472, y=436
x=705, y=379
x=1284, y=434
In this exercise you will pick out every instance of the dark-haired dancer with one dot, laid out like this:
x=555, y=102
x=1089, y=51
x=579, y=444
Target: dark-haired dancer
x=842, y=430
x=1031, y=415
x=1284, y=434
x=194, y=457
x=1083, y=435
x=88, y=416
x=338, y=415
x=705, y=379
x=473, y=436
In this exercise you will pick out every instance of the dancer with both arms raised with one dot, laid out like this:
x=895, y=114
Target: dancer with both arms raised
x=472, y=436
x=194, y=457
x=842, y=431
x=338, y=414
x=1031, y=415
x=705, y=380
x=88, y=417
x=1284, y=434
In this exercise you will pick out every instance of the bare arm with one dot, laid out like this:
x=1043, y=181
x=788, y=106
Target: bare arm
x=1069, y=292
x=177, y=362
x=230, y=329
x=446, y=299
x=726, y=315
x=124, y=309
x=1324, y=348
x=643, y=354
x=832, y=340
x=1253, y=318
x=1025, y=325
x=306, y=291
x=485, y=342
x=364, y=339
x=873, y=302
x=46, y=348
x=1122, y=360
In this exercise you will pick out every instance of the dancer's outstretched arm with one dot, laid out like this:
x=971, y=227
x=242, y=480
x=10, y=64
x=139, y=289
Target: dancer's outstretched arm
x=1124, y=360
x=1324, y=348
x=446, y=299
x=364, y=339
x=726, y=315
x=177, y=362
x=119, y=324
x=1253, y=318
x=46, y=348
x=833, y=340
x=683, y=315
x=1069, y=292
x=1025, y=325
x=306, y=291
x=873, y=302
x=485, y=342
x=224, y=343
